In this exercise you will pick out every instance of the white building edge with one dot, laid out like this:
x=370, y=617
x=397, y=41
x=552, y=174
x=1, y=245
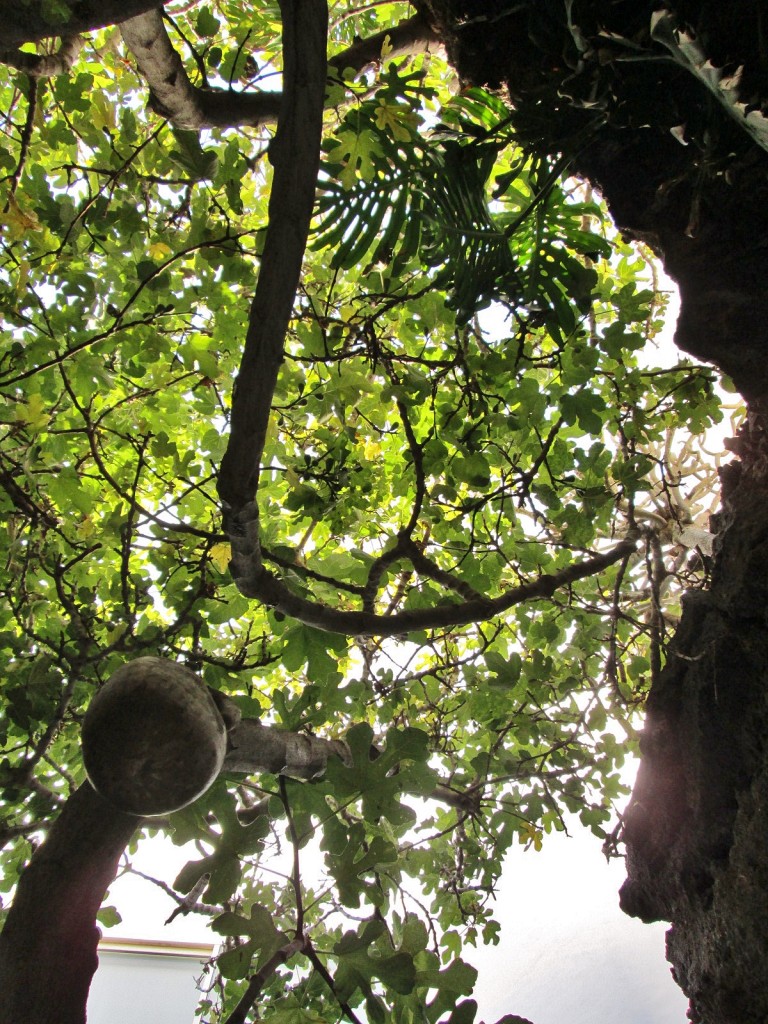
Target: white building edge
x=140, y=981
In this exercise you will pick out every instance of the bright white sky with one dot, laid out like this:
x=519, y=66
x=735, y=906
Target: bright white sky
x=568, y=955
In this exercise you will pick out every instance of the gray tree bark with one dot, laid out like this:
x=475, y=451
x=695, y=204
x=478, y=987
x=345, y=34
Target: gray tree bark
x=32, y=21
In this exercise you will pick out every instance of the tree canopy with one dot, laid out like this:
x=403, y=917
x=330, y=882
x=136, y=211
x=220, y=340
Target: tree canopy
x=323, y=381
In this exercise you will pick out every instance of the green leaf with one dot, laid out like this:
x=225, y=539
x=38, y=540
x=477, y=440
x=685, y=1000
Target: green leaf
x=108, y=917
x=201, y=164
x=263, y=940
x=358, y=967
x=464, y=1012
x=206, y=24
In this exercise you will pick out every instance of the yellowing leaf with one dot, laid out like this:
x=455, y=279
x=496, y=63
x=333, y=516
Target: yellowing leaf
x=531, y=836
x=22, y=276
x=86, y=529
x=272, y=430
x=371, y=450
x=18, y=221
x=396, y=119
x=102, y=111
x=159, y=250
x=349, y=311
x=33, y=413
x=386, y=46
x=220, y=555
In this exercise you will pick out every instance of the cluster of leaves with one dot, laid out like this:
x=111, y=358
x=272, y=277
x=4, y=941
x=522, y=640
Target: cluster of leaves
x=420, y=454
x=394, y=197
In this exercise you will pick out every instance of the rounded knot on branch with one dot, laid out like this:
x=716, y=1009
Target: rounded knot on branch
x=153, y=738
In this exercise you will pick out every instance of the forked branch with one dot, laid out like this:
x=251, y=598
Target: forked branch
x=190, y=107
x=254, y=581
x=295, y=156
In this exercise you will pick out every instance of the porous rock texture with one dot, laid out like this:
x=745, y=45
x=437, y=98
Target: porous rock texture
x=700, y=203
x=696, y=827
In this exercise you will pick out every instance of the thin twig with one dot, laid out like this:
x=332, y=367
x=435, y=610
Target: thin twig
x=26, y=139
x=257, y=981
x=325, y=974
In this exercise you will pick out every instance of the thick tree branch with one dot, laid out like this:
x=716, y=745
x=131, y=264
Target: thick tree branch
x=45, y=65
x=175, y=97
x=31, y=22
x=48, y=948
x=254, y=581
x=409, y=37
x=295, y=155
x=191, y=107
x=255, y=747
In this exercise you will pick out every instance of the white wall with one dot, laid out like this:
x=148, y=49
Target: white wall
x=144, y=983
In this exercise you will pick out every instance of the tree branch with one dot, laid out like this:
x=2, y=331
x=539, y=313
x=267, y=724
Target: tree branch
x=426, y=567
x=173, y=95
x=48, y=946
x=325, y=974
x=295, y=154
x=257, y=981
x=255, y=747
x=190, y=107
x=26, y=140
x=188, y=904
x=30, y=22
x=45, y=65
x=262, y=585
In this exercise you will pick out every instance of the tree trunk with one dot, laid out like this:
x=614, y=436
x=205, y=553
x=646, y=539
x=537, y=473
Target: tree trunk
x=34, y=19
x=696, y=824
x=48, y=946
